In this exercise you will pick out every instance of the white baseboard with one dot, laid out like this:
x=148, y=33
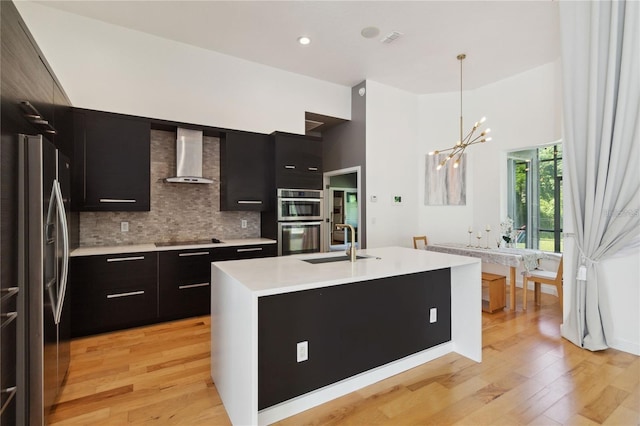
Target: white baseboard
x=624, y=346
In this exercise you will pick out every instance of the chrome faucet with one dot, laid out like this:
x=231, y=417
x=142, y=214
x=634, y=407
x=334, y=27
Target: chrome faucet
x=351, y=250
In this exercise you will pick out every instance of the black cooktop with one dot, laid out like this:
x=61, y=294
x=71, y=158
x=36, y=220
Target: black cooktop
x=187, y=243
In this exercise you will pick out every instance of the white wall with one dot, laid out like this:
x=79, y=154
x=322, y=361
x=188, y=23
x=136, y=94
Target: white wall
x=110, y=68
x=522, y=111
x=392, y=132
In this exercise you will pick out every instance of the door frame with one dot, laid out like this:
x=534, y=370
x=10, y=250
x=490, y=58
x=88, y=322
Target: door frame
x=328, y=201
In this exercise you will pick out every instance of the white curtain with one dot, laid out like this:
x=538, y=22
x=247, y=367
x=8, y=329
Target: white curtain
x=601, y=73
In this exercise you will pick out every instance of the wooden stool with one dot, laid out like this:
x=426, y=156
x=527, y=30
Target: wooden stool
x=497, y=285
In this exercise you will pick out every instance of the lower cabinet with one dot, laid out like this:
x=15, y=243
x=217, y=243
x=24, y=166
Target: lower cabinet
x=348, y=329
x=184, y=283
x=120, y=291
x=112, y=292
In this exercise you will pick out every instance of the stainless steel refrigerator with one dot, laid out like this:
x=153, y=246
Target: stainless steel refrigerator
x=44, y=259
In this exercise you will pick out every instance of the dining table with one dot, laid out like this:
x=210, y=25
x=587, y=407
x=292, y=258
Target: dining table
x=506, y=256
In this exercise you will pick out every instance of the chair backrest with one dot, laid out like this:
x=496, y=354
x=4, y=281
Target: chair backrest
x=559, y=273
x=422, y=238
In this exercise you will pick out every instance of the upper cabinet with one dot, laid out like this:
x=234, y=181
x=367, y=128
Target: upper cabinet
x=111, y=171
x=245, y=170
x=298, y=161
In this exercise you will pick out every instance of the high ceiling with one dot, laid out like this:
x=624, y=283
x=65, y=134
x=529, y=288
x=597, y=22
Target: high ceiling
x=500, y=38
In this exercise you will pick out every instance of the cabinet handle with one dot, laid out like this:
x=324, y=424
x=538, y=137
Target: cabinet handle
x=249, y=202
x=289, y=166
x=183, y=287
x=130, y=293
x=7, y=318
x=312, y=169
x=198, y=253
x=249, y=249
x=125, y=259
x=117, y=200
x=11, y=392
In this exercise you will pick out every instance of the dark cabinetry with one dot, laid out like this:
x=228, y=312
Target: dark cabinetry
x=298, y=161
x=112, y=167
x=245, y=171
x=245, y=252
x=184, y=283
x=350, y=328
x=112, y=292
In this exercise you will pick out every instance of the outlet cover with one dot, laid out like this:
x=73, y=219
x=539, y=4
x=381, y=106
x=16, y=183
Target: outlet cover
x=433, y=315
x=124, y=226
x=243, y=223
x=302, y=351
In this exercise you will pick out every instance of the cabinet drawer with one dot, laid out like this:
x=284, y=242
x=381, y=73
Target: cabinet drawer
x=114, y=272
x=112, y=292
x=184, y=283
x=245, y=252
x=109, y=310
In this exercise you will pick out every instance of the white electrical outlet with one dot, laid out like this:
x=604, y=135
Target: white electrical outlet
x=124, y=226
x=243, y=223
x=302, y=351
x=433, y=315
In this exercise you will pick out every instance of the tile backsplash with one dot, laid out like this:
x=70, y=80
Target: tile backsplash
x=179, y=211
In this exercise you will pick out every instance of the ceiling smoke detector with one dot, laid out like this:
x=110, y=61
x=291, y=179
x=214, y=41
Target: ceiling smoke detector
x=391, y=37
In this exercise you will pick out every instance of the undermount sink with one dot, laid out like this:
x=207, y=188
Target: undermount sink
x=333, y=259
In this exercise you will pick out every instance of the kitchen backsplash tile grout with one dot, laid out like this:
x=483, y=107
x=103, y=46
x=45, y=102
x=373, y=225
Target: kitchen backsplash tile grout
x=179, y=212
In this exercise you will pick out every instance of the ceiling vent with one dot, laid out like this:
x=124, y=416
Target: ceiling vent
x=391, y=37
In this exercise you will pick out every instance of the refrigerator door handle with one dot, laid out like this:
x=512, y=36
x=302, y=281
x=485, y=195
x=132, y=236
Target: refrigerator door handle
x=62, y=217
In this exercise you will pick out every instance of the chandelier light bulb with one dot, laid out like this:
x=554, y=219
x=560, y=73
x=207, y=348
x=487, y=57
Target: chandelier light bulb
x=488, y=139
x=483, y=119
x=455, y=165
x=439, y=167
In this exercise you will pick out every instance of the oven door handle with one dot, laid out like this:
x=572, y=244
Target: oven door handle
x=315, y=200
x=290, y=224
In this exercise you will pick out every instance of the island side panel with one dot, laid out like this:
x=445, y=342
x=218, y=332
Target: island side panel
x=233, y=347
x=466, y=310
x=350, y=329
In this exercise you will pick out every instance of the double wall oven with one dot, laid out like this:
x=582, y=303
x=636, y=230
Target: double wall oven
x=299, y=221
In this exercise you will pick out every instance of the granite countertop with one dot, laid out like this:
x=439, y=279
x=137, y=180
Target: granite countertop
x=139, y=248
x=285, y=274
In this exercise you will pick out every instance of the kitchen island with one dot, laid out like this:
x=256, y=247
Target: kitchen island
x=293, y=332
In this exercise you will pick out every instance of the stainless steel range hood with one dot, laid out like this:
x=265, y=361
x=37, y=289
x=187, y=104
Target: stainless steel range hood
x=188, y=158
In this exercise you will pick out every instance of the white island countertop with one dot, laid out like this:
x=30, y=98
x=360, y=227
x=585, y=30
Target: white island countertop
x=238, y=287
x=285, y=274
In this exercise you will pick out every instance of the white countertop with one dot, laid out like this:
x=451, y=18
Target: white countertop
x=285, y=274
x=139, y=248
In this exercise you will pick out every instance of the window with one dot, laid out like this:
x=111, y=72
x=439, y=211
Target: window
x=535, y=197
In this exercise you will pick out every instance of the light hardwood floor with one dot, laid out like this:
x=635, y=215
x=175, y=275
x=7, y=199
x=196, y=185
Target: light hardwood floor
x=529, y=375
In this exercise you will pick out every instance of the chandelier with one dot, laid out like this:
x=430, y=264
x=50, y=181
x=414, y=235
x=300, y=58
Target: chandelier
x=458, y=149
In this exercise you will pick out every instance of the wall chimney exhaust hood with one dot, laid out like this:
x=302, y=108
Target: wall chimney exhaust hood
x=188, y=158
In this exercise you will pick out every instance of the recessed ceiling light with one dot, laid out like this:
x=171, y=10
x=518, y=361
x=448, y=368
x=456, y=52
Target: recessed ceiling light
x=304, y=40
x=370, y=32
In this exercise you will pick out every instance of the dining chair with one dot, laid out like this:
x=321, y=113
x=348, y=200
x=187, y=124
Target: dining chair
x=419, y=238
x=547, y=277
